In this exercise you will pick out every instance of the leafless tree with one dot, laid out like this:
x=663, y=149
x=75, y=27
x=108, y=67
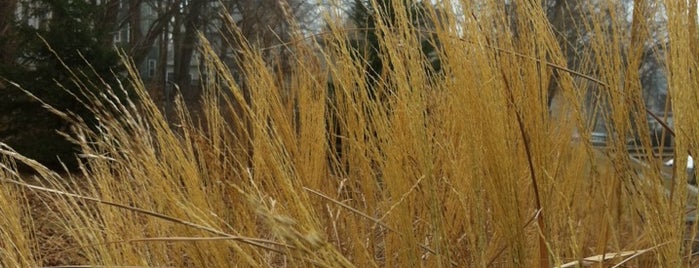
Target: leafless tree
x=174, y=26
x=7, y=46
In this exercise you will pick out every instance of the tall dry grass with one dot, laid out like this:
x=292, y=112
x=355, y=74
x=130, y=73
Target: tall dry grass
x=470, y=168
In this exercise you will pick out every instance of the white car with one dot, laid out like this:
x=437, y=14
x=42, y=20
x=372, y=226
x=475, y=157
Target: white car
x=690, y=168
x=690, y=162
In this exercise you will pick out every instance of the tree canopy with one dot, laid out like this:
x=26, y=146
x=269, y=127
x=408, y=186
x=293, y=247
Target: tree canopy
x=56, y=44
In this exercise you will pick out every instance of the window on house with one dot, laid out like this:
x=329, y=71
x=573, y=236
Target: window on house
x=151, y=68
x=117, y=37
x=128, y=33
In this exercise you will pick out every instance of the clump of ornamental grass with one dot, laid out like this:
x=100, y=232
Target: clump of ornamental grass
x=466, y=166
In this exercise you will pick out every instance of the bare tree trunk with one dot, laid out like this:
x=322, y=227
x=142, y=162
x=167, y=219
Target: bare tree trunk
x=176, y=38
x=134, y=18
x=142, y=41
x=7, y=46
x=108, y=22
x=192, y=24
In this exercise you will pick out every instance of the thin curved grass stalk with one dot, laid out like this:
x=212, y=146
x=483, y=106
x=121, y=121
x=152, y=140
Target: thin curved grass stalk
x=146, y=212
x=375, y=220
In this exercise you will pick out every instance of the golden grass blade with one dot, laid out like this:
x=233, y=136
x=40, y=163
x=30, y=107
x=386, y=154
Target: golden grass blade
x=105, y=266
x=437, y=130
x=260, y=242
x=142, y=211
x=600, y=259
x=376, y=221
x=354, y=210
